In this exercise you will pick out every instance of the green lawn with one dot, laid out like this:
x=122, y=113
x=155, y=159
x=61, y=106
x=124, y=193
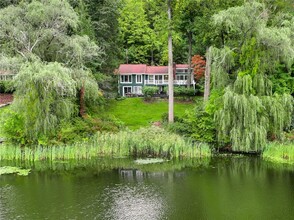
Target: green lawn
x=135, y=112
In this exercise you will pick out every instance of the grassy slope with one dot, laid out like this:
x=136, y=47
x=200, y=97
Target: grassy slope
x=135, y=113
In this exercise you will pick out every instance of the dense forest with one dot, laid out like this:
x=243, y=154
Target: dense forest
x=65, y=52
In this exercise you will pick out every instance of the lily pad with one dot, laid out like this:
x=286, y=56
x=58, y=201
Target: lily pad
x=12, y=170
x=149, y=161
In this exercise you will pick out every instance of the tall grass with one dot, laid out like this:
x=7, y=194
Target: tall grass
x=279, y=152
x=145, y=142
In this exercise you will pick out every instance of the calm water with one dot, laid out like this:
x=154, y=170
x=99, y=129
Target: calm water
x=222, y=188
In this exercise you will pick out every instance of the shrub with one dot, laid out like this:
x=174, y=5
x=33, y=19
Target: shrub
x=197, y=124
x=12, y=127
x=182, y=91
x=150, y=91
x=6, y=86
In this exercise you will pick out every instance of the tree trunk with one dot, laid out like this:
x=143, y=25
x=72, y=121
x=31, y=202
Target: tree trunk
x=170, y=69
x=82, y=101
x=189, y=79
x=207, y=74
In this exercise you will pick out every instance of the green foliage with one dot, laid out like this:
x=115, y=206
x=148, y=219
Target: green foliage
x=14, y=170
x=12, y=127
x=248, y=118
x=83, y=78
x=201, y=125
x=183, y=91
x=282, y=80
x=6, y=86
x=279, y=152
x=253, y=50
x=197, y=124
x=152, y=141
x=104, y=20
x=45, y=96
x=10, y=64
x=200, y=86
x=79, y=129
x=150, y=91
x=135, y=33
x=38, y=34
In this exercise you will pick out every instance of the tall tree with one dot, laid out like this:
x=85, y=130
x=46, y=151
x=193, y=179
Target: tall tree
x=41, y=33
x=104, y=16
x=250, y=112
x=207, y=74
x=135, y=33
x=170, y=68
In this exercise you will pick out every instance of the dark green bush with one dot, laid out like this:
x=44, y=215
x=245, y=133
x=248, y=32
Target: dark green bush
x=81, y=129
x=6, y=86
x=150, y=91
x=197, y=124
x=12, y=126
x=182, y=91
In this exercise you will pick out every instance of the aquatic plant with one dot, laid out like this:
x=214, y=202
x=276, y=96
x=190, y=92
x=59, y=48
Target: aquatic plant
x=145, y=142
x=279, y=152
x=12, y=170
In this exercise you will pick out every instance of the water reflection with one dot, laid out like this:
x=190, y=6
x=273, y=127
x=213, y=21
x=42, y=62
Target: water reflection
x=134, y=202
x=224, y=188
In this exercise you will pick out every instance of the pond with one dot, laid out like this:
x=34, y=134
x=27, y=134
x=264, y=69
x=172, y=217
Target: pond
x=217, y=188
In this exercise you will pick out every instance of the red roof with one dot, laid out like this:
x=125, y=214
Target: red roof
x=182, y=66
x=157, y=69
x=132, y=68
x=144, y=69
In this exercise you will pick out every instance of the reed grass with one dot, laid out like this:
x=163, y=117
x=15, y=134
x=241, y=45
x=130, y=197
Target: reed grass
x=145, y=142
x=279, y=152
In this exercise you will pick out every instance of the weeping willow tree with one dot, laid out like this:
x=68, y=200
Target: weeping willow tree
x=44, y=97
x=250, y=113
x=56, y=82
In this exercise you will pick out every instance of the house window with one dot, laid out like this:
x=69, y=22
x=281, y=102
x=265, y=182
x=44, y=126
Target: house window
x=138, y=78
x=165, y=77
x=181, y=77
x=159, y=77
x=126, y=78
x=151, y=79
x=137, y=90
x=127, y=90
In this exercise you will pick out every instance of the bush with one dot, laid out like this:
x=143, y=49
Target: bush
x=182, y=91
x=12, y=127
x=200, y=86
x=6, y=86
x=197, y=124
x=82, y=129
x=164, y=118
x=150, y=90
